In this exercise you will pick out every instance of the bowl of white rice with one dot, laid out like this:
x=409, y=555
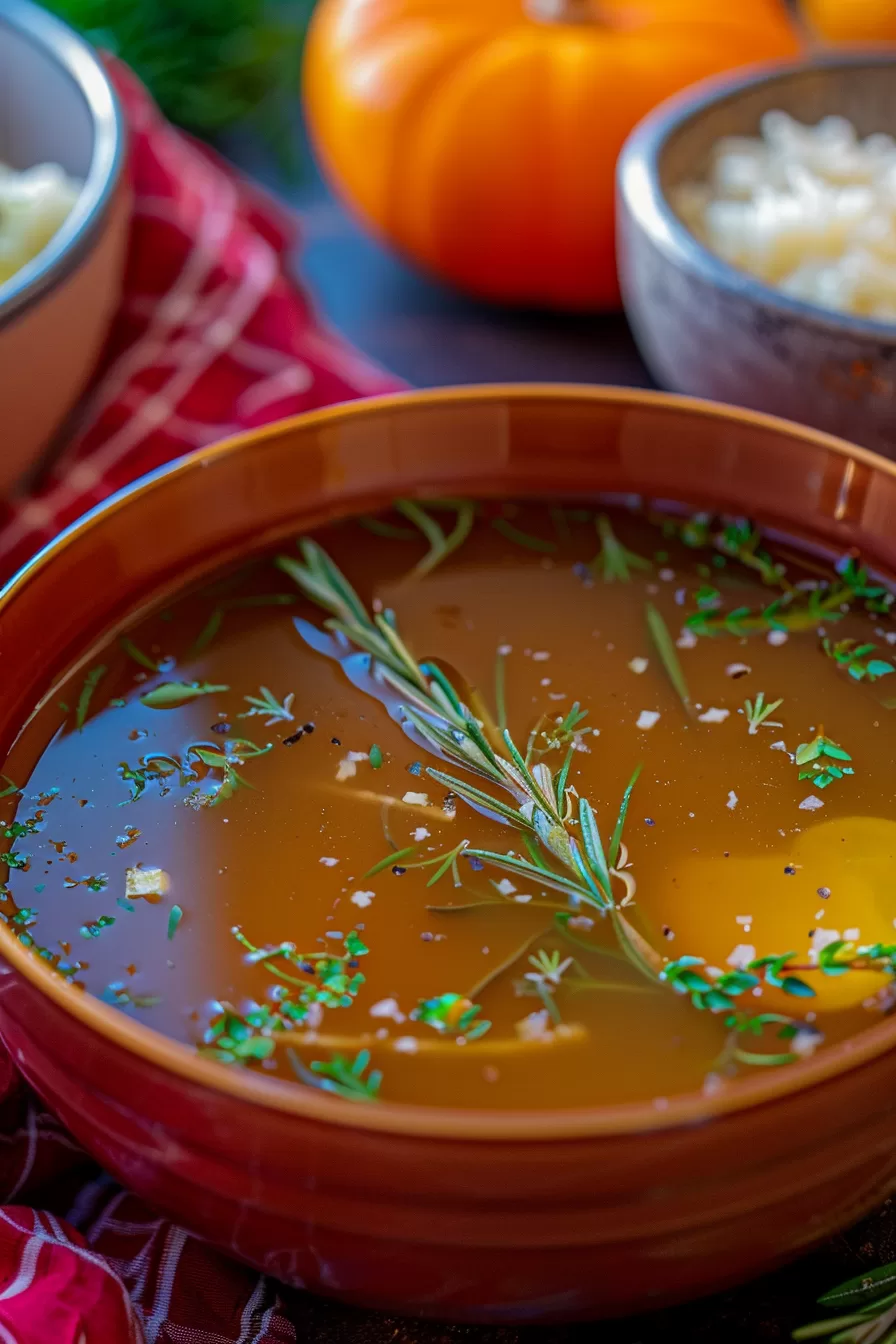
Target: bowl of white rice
x=64, y=213
x=757, y=243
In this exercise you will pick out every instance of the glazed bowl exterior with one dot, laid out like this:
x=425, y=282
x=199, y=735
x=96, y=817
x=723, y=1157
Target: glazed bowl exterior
x=57, y=106
x=705, y=327
x=481, y=1216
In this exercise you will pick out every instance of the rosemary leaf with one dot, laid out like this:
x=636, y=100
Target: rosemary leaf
x=173, y=694
x=390, y=859
x=131, y=649
x=616, y=840
x=91, y=681
x=525, y=539
x=665, y=647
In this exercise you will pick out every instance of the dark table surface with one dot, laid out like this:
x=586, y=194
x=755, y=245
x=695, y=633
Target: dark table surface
x=431, y=336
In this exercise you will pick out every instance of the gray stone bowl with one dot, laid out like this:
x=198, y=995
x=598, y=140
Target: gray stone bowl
x=705, y=327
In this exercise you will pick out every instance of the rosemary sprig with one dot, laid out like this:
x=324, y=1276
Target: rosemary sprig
x=665, y=647
x=441, y=544
x=759, y=713
x=615, y=561
x=266, y=703
x=866, y=1307
x=559, y=830
x=575, y=866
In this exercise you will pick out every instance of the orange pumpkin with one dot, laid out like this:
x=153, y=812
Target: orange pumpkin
x=852, y=20
x=480, y=137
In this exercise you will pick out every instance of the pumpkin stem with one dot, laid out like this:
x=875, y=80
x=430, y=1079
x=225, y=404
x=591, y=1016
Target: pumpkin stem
x=563, y=11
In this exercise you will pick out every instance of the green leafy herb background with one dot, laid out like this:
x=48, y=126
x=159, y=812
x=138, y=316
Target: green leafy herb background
x=210, y=64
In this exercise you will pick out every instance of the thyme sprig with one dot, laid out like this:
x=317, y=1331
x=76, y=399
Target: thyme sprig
x=341, y=1076
x=822, y=760
x=859, y=659
x=793, y=611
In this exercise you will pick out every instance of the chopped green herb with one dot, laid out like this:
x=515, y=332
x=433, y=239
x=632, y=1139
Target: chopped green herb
x=451, y=1014
x=376, y=757
x=174, y=920
x=94, y=928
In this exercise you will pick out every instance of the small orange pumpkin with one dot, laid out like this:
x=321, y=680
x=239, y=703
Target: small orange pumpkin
x=480, y=137
x=851, y=20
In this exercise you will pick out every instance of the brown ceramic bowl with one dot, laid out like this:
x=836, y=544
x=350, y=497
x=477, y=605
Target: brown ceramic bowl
x=482, y=1216
x=705, y=327
x=57, y=106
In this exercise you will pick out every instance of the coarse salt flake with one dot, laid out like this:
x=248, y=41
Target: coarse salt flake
x=540, y=656
x=638, y=665
x=733, y=800
x=362, y=898
x=647, y=718
x=505, y=886
x=329, y=863
x=406, y=1045
x=686, y=640
x=421, y=833
x=741, y=956
x=582, y=922
x=777, y=637
x=416, y=799
x=522, y=899
x=737, y=670
x=387, y=1008
x=714, y=715
x=811, y=803
x=535, y=1027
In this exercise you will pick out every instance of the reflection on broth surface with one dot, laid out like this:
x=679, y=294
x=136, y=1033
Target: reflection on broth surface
x=227, y=823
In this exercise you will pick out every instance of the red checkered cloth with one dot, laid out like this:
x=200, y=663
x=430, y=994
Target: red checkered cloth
x=212, y=337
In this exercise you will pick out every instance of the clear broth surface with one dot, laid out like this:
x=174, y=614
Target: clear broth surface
x=725, y=859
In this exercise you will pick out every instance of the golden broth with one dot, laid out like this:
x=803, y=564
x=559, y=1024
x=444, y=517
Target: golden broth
x=730, y=856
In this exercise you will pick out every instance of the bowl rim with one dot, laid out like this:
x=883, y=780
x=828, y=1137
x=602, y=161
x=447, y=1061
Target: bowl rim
x=639, y=186
x=246, y=1086
x=78, y=233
